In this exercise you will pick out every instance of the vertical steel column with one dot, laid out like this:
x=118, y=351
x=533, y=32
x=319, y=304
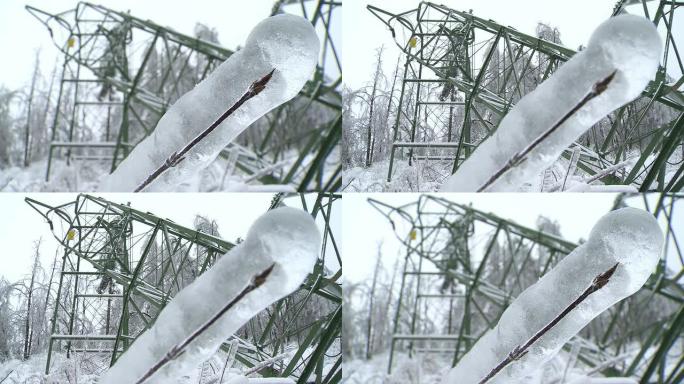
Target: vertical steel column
x=398, y=117
x=123, y=323
x=415, y=111
x=53, y=326
x=398, y=310
x=72, y=315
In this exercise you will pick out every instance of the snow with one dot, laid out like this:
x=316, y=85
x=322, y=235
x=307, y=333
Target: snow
x=421, y=369
x=285, y=42
x=422, y=176
x=629, y=236
x=428, y=369
x=626, y=43
x=603, y=380
x=32, y=370
x=580, y=187
x=429, y=176
x=239, y=379
x=285, y=236
x=220, y=175
x=79, y=176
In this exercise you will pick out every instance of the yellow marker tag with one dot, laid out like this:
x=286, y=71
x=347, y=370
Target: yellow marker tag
x=71, y=42
x=413, y=234
x=71, y=234
x=413, y=42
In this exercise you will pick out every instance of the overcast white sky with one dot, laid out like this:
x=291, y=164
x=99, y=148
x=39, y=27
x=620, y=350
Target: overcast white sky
x=20, y=225
x=364, y=33
x=21, y=34
x=364, y=227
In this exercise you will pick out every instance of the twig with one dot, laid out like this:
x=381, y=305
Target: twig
x=8, y=375
x=600, y=174
x=267, y=362
x=520, y=157
x=179, y=349
x=518, y=352
x=175, y=158
x=229, y=356
x=266, y=170
x=572, y=167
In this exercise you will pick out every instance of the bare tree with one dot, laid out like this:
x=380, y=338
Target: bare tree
x=28, y=330
x=371, y=296
x=7, y=134
x=370, y=137
x=27, y=136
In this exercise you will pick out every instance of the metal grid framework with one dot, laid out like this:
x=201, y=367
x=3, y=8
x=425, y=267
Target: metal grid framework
x=465, y=265
x=463, y=74
x=121, y=73
x=120, y=266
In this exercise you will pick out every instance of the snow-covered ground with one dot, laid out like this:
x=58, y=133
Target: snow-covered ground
x=78, y=369
x=428, y=369
x=221, y=175
x=421, y=176
x=415, y=178
x=428, y=176
x=87, y=369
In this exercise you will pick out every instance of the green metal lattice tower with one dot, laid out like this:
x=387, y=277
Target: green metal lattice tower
x=120, y=266
x=121, y=73
x=464, y=266
x=463, y=74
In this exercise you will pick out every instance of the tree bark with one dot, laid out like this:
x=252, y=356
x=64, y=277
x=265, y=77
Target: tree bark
x=28, y=332
x=369, y=331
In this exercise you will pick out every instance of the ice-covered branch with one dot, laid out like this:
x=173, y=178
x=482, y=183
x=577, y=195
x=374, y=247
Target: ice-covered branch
x=629, y=236
x=286, y=43
x=519, y=351
x=276, y=256
x=626, y=45
x=256, y=282
x=175, y=158
x=521, y=156
x=263, y=364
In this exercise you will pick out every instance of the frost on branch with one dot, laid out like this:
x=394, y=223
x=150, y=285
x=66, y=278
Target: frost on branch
x=287, y=237
x=626, y=44
x=629, y=236
x=286, y=43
